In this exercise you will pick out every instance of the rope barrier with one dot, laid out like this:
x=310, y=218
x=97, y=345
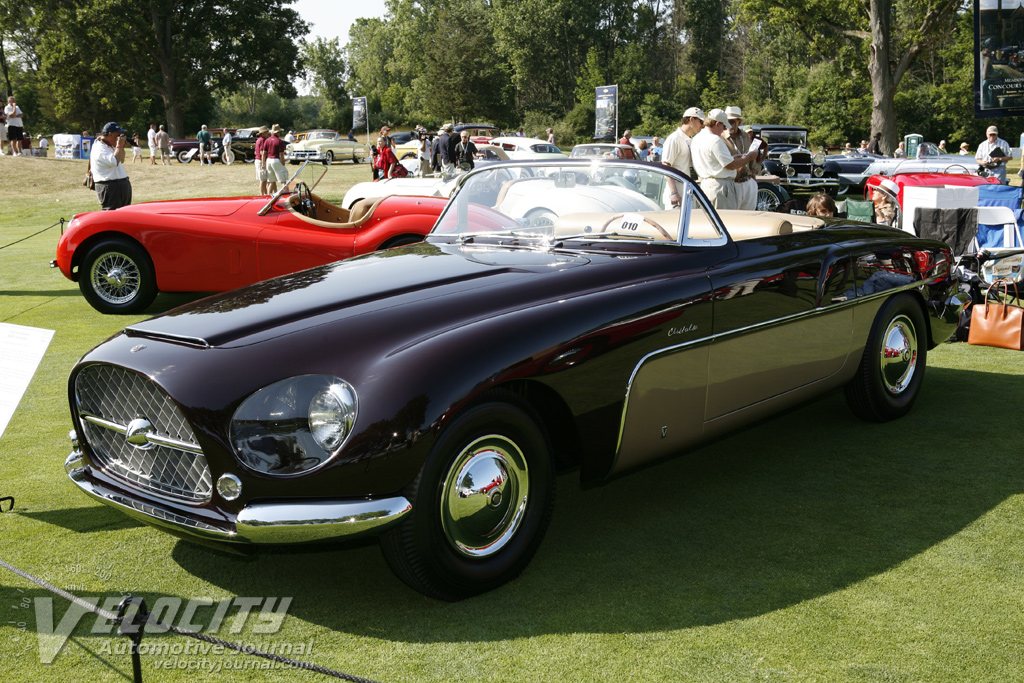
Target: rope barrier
x=60, y=223
x=134, y=627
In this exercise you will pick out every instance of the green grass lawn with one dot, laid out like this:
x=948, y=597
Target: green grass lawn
x=811, y=547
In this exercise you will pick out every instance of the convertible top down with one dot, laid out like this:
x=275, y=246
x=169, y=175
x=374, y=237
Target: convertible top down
x=560, y=315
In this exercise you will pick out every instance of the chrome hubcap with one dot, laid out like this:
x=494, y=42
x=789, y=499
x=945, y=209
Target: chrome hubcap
x=115, y=278
x=899, y=355
x=484, y=496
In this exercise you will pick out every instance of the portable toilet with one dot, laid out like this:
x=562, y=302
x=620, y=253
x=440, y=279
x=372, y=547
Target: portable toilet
x=910, y=144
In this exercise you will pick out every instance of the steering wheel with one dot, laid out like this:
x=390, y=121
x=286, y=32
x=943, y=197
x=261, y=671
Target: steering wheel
x=664, y=233
x=306, y=206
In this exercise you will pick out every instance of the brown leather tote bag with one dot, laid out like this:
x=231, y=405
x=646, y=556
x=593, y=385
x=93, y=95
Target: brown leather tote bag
x=998, y=324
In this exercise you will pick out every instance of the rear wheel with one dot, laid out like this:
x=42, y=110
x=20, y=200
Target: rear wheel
x=890, y=373
x=480, y=504
x=401, y=241
x=117, y=276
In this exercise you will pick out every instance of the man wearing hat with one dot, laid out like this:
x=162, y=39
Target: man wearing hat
x=738, y=143
x=676, y=151
x=993, y=154
x=261, y=167
x=106, y=165
x=273, y=159
x=715, y=164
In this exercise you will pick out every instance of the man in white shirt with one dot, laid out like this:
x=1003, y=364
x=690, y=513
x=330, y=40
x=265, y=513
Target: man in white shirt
x=42, y=144
x=151, y=141
x=226, y=155
x=106, y=164
x=15, y=125
x=738, y=143
x=715, y=164
x=993, y=154
x=676, y=151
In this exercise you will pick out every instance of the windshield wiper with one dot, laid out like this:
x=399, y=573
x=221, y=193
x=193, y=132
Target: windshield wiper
x=589, y=235
x=468, y=238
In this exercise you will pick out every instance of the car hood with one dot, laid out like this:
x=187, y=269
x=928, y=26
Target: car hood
x=196, y=207
x=364, y=286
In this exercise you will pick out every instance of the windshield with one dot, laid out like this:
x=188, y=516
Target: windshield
x=322, y=135
x=546, y=149
x=543, y=203
x=786, y=137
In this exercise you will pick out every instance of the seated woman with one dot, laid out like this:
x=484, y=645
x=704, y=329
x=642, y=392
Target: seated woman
x=821, y=204
x=885, y=211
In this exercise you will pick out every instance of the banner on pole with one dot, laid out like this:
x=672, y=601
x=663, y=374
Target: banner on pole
x=606, y=109
x=359, y=113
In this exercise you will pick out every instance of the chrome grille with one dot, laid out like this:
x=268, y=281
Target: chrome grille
x=110, y=400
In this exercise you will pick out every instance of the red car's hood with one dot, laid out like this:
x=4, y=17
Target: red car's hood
x=199, y=207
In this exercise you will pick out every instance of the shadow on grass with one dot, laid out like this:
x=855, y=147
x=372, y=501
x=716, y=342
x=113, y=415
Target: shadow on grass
x=794, y=508
x=42, y=292
x=84, y=519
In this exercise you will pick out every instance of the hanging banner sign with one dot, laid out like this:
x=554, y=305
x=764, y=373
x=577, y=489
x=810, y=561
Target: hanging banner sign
x=359, y=113
x=606, y=112
x=998, y=58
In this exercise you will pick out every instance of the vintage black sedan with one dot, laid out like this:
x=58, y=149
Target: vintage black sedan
x=430, y=394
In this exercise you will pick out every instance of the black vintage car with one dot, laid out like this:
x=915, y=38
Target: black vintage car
x=560, y=316
x=796, y=165
x=243, y=145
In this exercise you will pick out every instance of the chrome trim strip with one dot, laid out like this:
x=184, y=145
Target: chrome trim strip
x=275, y=523
x=136, y=331
x=154, y=439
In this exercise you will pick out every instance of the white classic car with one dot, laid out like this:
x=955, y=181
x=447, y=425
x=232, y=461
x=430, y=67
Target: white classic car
x=528, y=148
x=326, y=145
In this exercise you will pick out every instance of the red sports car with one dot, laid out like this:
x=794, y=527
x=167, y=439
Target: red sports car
x=122, y=258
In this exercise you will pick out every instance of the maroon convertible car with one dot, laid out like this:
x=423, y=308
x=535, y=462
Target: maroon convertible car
x=559, y=316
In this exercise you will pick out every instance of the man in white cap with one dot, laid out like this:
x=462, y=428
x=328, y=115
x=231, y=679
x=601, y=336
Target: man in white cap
x=738, y=143
x=715, y=164
x=993, y=154
x=676, y=152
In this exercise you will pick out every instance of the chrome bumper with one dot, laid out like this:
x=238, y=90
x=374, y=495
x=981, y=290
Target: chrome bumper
x=259, y=523
x=808, y=182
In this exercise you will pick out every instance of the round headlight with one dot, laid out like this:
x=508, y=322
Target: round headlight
x=818, y=171
x=331, y=413
x=790, y=171
x=295, y=425
x=786, y=158
x=818, y=158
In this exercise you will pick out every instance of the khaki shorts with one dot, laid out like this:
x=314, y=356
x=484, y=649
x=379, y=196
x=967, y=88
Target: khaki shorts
x=276, y=172
x=261, y=173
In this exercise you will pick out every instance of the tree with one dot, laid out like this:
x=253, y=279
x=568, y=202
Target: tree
x=325, y=66
x=893, y=37
x=178, y=51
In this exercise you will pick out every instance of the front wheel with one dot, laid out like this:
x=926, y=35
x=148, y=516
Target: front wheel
x=768, y=198
x=117, y=276
x=329, y=157
x=889, y=377
x=480, y=504
x=184, y=156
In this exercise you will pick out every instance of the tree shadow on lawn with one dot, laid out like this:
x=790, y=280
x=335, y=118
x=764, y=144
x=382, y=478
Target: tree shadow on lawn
x=793, y=508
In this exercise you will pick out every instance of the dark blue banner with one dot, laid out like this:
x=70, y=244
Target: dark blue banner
x=998, y=58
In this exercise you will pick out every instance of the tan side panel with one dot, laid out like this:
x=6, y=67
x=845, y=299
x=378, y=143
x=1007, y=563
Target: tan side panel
x=766, y=362
x=664, y=407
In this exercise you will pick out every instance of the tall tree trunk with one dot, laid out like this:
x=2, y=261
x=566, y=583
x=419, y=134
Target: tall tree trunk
x=883, y=86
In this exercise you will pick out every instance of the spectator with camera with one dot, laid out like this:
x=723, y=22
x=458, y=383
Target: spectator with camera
x=106, y=165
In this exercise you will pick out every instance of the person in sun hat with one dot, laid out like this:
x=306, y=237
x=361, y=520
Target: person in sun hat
x=106, y=165
x=676, y=151
x=739, y=142
x=715, y=164
x=993, y=153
